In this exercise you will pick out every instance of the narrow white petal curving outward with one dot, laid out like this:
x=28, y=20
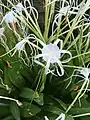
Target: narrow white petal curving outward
x=60, y=117
x=46, y=118
x=88, y=2
x=1, y=32
x=52, y=54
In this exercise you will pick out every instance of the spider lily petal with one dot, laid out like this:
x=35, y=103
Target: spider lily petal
x=1, y=32
x=61, y=117
x=61, y=43
x=88, y=2
x=68, y=53
x=46, y=118
x=47, y=66
x=39, y=63
x=40, y=55
x=61, y=73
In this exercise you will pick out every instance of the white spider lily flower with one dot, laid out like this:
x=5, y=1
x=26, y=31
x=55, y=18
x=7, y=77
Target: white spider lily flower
x=64, y=10
x=67, y=9
x=1, y=32
x=51, y=54
x=85, y=72
x=61, y=117
x=20, y=46
x=10, y=18
x=19, y=7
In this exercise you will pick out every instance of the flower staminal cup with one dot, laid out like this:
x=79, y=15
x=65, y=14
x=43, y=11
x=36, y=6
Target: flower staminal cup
x=10, y=18
x=51, y=54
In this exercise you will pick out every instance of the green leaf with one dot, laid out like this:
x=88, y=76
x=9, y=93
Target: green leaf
x=15, y=110
x=85, y=107
x=63, y=105
x=69, y=117
x=85, y=118
x=8, y=118
x=27, y=93
x=39, y=100
x=82, y=110
x=15, y=75
x=31, y=95
x=4, y=110
x=29, y=110
x=53, y=109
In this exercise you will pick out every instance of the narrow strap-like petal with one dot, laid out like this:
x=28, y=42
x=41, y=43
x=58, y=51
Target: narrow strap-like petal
x=39, y=63
x=47, y=66
x=39, y=55
x=46, y=118
x=66, y=52
x=61, y=73
x=61, y=43
x=61, y=117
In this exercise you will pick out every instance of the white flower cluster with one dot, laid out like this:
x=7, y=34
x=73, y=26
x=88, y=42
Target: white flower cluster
x=73, y=7
x=16, y=11
x=10, y=16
